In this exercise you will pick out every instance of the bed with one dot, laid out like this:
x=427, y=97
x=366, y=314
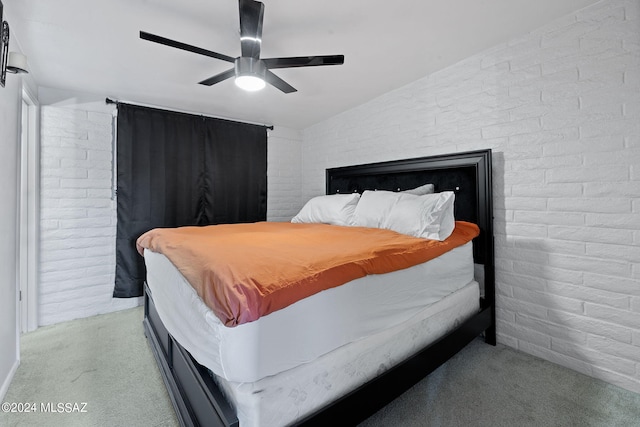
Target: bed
x=332, y=387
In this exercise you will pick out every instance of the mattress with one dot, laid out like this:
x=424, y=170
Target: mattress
x=287, y=397
x=304, y=331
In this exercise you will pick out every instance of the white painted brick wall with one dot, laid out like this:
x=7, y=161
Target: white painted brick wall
x=560, y=107
x=77, y=239
x=78, y=215
x=284, y=174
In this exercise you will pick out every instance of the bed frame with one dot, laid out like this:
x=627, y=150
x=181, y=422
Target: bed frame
x=199, y=402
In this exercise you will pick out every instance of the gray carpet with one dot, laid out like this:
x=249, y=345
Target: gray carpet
x=105, y=361
x=497, y=386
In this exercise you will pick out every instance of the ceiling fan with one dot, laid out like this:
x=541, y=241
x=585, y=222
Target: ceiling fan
x=250, y=71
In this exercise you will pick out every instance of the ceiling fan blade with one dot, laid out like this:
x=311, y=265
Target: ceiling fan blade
x=219, y=77
x=304, y=61
x=251, y=15
x=179, y=45
x=278, y=82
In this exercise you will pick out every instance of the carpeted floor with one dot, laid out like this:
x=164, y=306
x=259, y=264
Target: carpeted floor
x=500, y=387
x=105, y=362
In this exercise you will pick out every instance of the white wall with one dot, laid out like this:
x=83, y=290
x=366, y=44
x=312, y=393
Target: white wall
x=10, y=117
x=284, y=174
x=78, y=214
x=10, y=100
x=560, y=107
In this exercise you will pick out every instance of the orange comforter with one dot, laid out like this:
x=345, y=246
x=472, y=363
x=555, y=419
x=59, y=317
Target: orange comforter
x=244, y=271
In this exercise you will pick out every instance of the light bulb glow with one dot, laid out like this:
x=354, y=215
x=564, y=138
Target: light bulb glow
x=250, y=83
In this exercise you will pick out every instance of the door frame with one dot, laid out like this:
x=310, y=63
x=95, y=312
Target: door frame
x=29, y=217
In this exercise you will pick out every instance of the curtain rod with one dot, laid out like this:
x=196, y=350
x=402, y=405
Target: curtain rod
x=111, y=101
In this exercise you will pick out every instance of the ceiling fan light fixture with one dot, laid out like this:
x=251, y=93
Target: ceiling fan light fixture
x=250, y=83
x=250, y=74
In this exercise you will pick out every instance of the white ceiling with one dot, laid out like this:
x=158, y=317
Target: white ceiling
x=93, y=46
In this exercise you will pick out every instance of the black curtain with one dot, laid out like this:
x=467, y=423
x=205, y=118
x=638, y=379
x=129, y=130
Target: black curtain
x=177, y=169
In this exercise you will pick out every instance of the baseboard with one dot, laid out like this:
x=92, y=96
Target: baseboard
x=7, y=381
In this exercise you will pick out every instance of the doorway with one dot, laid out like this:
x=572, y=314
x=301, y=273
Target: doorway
x=29, y=215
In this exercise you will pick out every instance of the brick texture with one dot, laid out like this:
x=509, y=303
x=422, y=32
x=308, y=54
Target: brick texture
x=284, y=175
x=560, y=109
x=78, y=228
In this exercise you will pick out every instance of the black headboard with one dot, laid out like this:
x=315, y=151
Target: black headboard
x=468, y=174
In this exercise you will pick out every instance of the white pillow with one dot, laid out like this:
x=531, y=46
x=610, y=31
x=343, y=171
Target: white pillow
x=420, y=191
x=373, y=208
x=336, y=209
x=429, y=216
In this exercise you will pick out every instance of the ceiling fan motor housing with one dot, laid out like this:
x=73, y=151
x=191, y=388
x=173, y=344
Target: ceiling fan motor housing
x=248, y=66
